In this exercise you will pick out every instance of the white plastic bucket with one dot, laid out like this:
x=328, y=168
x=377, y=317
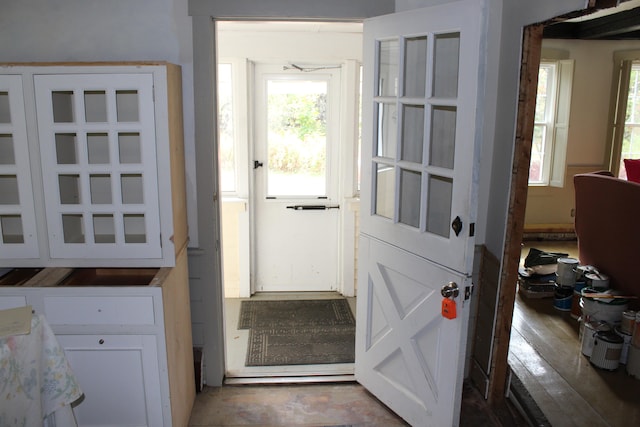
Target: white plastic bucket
x=608, y=310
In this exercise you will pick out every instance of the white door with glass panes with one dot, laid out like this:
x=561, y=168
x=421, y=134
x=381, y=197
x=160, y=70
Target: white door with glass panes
x=419, y=168
x=294, y=165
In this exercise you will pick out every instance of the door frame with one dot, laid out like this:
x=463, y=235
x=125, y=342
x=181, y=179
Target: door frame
x=207, y=258
x=532, y=37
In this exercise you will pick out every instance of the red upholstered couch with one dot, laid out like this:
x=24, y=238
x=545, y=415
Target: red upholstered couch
x=607, y=223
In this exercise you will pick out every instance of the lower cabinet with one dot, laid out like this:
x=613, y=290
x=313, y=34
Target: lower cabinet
x=119, y=377
x=128, y=345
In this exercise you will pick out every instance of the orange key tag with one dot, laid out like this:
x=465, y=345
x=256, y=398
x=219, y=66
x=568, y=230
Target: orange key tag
x=448, y=308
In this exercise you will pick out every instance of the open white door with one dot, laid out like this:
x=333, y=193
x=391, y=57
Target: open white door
x=419, y=168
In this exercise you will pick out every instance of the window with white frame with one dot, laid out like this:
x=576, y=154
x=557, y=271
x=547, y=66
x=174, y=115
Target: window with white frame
x=550, y=133
x=226, y=136
x=626, y=144
x=232, y=127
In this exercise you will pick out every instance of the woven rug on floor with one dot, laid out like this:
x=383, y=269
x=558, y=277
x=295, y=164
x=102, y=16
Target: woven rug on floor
x=285, y=313
x=307, y=345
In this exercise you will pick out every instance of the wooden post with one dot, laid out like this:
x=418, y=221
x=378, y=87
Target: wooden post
x=532, y=42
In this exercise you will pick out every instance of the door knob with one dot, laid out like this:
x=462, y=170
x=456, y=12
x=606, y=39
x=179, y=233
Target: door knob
x=450, y=290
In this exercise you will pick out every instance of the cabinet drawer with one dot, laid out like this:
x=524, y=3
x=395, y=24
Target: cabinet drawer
x=104, y=310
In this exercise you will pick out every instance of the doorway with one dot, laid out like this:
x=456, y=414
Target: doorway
x=288, y=215
x=531, y=57
x=295, y=192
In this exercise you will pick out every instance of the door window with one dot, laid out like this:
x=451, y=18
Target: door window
x=427, y=101
x=296, y=137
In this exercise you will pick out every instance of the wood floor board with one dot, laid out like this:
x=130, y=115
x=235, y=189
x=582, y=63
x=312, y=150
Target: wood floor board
x=545, y=354
x=552, y=393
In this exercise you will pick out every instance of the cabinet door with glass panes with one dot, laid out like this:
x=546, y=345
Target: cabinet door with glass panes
x=18, y=235
x=97, y=143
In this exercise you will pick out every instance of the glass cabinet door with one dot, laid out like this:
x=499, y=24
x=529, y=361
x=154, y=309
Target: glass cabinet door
x=97, y=144
x=18, y=235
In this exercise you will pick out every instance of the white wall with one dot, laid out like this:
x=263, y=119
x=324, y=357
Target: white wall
x=115, y=30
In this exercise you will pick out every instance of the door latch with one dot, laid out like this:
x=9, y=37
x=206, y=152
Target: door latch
x=257, y=164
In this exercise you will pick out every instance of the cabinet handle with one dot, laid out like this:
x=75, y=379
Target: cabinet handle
x=100, y=341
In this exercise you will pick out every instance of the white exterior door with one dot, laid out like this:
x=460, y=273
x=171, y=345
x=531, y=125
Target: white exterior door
x=419, y=163
x=296, y=208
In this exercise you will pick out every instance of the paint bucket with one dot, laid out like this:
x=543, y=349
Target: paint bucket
x=576, y=310
x=626, y=338
x=597, y=280
x=562, y=298
x=633, y=362
x=607, y=348
x=589, y=333
x=566, y=272
x=628, y=322
x=609, y=310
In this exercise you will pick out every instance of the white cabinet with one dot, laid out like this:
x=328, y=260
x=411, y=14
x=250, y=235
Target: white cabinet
x=18, y=236
x=119, y=377
x=91, y=165
x=129, y=346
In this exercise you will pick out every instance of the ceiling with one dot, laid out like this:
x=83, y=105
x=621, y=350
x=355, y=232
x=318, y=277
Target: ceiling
x=619, y=23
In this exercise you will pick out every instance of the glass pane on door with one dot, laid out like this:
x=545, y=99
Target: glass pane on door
x=439, y=205
x=387, y=139
x=446, y=61
x=388, y=60
x=297, y=138
x=415, y=70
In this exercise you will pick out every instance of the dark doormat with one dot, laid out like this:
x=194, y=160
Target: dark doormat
x=276, y=314
x=298, y=332
x=301, y=345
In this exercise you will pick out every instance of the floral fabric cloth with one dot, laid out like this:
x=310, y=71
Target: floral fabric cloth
x=35, y=377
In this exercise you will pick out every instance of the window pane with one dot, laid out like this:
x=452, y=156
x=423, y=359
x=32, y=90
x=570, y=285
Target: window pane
x=631, y=135
x=226, y=149
x=542, y=94
x=385, y=183
x=412, y=133
x=415, y=69
x=446, y=61
x=439, y=205
x=296, y=137
x=443, y=137
x=410, y=187
x=387, y=130
x=387, y=68
x=537, y=155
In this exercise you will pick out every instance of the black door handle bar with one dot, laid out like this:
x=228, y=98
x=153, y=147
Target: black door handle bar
x=312, y=207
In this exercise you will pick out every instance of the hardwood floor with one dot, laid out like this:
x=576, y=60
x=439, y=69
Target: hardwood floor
x=545, y=354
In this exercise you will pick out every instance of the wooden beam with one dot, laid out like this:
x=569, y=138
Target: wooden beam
x=532, y=44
